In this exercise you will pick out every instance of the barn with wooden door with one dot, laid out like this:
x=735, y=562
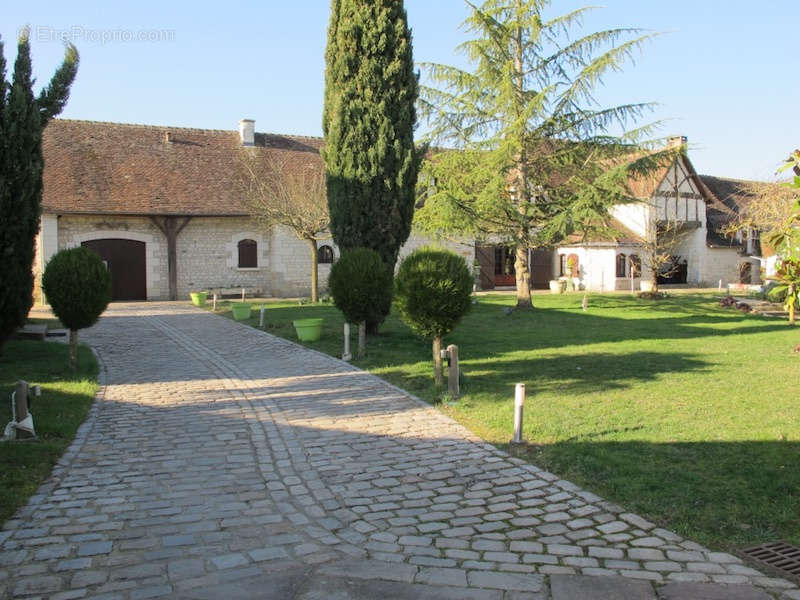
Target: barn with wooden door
x=165, y=209
x=496, y=263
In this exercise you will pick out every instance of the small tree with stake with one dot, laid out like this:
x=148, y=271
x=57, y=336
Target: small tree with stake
x=432, y=292
x=361, y=285
x=78, y=288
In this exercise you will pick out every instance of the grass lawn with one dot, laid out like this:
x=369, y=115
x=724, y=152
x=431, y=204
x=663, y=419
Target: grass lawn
x=62, y=407
x=679, y=410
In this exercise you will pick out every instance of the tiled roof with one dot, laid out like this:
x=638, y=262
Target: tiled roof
x=614, y=233
x=111, y=168
x=731, y=197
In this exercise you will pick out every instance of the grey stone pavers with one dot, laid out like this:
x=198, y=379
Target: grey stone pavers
x=216, y=453
x=572, y=587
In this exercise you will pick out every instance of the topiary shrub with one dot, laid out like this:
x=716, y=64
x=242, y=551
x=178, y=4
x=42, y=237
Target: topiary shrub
x=432, y=293
x=78, y=289
x=361, y=286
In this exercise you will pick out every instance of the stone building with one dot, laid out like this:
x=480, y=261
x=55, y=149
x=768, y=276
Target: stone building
x=163, y=207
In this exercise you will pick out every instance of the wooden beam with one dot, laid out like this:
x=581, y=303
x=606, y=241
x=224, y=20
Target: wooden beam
x=170, y=228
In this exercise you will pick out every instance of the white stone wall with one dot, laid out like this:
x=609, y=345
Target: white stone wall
x=635, y=216
x=74, y=230
x=207, y=253
x=723, y=264
x=596, y=267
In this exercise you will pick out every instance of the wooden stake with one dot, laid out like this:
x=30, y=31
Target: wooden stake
x=261, y=318
x=452, y=375
x=242, y=294
x=214, y=307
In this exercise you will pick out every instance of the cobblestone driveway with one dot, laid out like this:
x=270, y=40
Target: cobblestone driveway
x=222, y=462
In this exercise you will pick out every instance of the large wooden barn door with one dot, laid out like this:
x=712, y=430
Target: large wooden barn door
x=541, y=268
x=125, y=260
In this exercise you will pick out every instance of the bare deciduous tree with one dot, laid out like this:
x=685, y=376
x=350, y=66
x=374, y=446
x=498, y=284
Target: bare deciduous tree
x=659, y=247
x=767, y=208
x=283, y=189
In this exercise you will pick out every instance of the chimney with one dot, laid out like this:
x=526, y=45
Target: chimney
x=247, y=132
x=676, y=141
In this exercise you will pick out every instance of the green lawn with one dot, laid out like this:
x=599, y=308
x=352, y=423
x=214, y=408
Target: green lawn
x=62, y=407
x=679, y=410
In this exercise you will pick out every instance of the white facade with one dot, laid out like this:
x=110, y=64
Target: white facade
x=677, y=199
x=207, y=252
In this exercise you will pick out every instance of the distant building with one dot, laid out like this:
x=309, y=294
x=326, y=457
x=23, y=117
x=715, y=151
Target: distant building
x=162, y=207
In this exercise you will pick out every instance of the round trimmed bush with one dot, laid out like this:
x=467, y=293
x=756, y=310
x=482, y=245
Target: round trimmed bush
x=432, y=291
x=78, y=289
x=360, y=285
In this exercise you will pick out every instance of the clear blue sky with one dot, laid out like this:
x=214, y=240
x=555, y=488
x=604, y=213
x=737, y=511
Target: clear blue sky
x=725, y=72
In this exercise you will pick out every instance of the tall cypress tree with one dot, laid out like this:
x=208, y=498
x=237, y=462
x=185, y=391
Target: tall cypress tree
x=22, y=120
x=368, y=121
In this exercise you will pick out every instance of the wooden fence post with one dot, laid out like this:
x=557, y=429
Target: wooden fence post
x=452, y=375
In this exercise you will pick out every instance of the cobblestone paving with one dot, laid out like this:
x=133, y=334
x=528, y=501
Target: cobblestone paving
x=218, y=453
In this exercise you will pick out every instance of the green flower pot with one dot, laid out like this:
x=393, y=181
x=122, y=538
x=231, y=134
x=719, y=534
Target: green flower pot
x=198, y=298
x=240, y=310
x=308, y=330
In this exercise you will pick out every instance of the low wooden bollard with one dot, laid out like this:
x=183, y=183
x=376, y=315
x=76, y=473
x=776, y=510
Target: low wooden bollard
x=347, y=355
x=242, y=294
x=261, y=318
x=21, y=409
x=452, y=375
x=519, y=404
x=214, y=304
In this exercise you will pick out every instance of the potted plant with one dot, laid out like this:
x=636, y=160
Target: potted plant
x=570, y=274
x=240, y=310
x=308, y=330
x=198, y=298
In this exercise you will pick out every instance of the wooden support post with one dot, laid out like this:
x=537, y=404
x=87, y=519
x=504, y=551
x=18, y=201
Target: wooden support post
x=170, y=228
x=519, y=404
x=242, y=294
x=214, y=305
x=347, y=355
x=452, y=375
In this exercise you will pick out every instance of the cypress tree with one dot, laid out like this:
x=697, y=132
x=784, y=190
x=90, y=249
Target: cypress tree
x=22, y=120
x=368, y=122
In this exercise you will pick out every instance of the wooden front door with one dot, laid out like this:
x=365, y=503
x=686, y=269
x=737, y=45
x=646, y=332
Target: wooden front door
x=125, y=260
x=541, y=268
x=484, y=255
x=504, y=272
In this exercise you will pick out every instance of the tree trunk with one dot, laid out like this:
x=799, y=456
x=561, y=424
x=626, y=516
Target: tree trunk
x=654, y=281
x=438, y=379
x=790, y=294
x=73, y=349
x=362, y=339
x=523, y=278
x=312, y=246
